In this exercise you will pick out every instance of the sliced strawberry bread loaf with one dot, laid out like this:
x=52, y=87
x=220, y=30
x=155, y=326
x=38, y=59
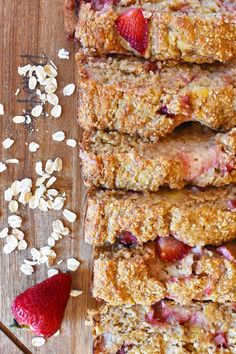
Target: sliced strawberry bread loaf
x=165, y=268
x=183, y=30
x=138, y=97
x=190, y=155
x=165, y=327
x=196, y=216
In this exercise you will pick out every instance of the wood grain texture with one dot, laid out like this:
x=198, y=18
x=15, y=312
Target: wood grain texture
x=34, y=27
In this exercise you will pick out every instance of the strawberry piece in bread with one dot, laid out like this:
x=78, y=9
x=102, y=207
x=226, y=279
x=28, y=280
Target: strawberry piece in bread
x=133, y=27
x=170, y=249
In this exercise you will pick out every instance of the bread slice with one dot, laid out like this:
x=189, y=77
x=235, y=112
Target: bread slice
x=196, y=217
x=150, y=99
x=164, y=328
x=190, y=155
x=165, y=268
x=182, y=30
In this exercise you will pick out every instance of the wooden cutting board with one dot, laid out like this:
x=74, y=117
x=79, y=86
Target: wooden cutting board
x=33, y=27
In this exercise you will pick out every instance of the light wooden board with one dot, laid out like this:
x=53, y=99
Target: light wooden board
x=35, y=26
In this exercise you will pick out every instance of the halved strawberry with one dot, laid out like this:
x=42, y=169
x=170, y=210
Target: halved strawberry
x=41, y=308
x=133, y=27
x=170, y=249
x=228, y=250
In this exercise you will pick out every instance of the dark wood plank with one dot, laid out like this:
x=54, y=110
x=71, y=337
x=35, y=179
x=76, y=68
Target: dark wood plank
x=34, y=27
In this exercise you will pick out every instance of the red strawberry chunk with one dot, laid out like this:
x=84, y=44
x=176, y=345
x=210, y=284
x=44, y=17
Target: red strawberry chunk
x=228, y=250
x=127, y=238
x=221, y=340
x=162, y=313
x=41, y=308
x=133, y=27
x=231, y=204
x=170, y=249
x=185, y=102
x=164, y=110
x=124, y=349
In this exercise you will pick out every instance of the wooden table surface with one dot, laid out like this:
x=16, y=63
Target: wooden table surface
x=36, y=26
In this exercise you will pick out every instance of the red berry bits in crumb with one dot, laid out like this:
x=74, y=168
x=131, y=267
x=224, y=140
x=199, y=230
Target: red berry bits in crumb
x=41, y=308
x=170, y=249
x=231, y=204
x=161, y=314
x=228, y=250
x=124, y=349
x=127, y=238
x=133, y=27
x=221, y=340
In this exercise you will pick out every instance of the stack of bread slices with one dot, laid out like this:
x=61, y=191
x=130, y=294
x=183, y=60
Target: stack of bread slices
x=157, y=101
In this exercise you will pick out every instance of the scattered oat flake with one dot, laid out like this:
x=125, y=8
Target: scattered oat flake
x=12, y=161
x=64, y=54
x=8, y=195
x=39, y=168
x=18, y=119
x=27, y=269
x=32, y=82
x=58, y=136
x=18, y=234
x=40, y=72
x=1, y=109
x=28, y=119
x=72, y=264
x=57, y=164
x=8, y=248
x=58, y=226
x=71, y=142
x=17, y=92
x=4, y=232
x=69, y=89
x=33, y=147
x=53, y=99
x=16, y=188
x=50, y=70
x=22, y=70
x=22, y=245
x=75, y=293
x=69, y=215
x=57, y=333
x=56, y=111
x=58, y=203
x=35, y=254
x=51, y=241
x=7, y=143
x=13, y=206
x=3, y=167
x=51, y=181
x=52, y=272
x=37, y=111
x=14, y=221
x=49, y=166
x=38, y=341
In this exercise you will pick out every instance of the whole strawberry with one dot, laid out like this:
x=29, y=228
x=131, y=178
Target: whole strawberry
x=41, y=308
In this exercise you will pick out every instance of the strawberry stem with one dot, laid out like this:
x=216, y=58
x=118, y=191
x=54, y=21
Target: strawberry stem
x=15, y=324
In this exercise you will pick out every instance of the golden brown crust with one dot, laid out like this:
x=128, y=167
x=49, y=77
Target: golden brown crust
x=139, y=276
x=173, y=33
x=71, y=8
x=128, y=327
x=122, y=95
x=194, y=217
x=190, y=155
